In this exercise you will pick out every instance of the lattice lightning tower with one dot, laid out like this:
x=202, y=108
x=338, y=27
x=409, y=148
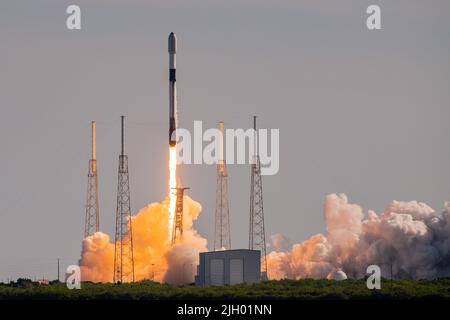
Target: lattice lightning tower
x=92, y=223
x=222, y=238
x=123, y=255
x=257, y=237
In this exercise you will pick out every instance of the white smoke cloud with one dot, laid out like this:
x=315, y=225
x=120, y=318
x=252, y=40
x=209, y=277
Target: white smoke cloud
x=279, y=243
x=408, y=238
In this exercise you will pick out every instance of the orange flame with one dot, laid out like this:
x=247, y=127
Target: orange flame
x=172, y=185
x=154, y=257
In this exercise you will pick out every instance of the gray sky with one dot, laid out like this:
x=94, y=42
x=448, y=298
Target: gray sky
x=360, y=112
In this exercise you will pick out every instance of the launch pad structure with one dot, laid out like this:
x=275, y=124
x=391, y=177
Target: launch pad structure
x=177, y=233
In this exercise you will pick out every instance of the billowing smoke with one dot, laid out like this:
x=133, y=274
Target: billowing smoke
x=408, y=239
x=279, y=243
x=154, y=257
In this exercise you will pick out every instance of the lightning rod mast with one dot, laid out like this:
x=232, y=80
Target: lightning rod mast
x=257, y=236
x=92, y=223
x=123, y=253
x=222, y=238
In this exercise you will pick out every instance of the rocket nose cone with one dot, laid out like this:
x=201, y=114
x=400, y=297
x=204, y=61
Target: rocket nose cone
x=172, y=43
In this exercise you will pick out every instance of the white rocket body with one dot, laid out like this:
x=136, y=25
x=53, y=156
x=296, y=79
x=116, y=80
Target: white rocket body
x=172, y=88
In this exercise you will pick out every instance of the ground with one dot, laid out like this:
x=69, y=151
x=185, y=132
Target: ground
x=285, y=289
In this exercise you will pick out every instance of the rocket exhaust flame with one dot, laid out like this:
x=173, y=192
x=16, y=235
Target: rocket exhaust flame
x=172, y=186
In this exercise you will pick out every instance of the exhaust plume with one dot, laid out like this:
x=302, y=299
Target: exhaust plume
x=154, y=257
x=408, y=238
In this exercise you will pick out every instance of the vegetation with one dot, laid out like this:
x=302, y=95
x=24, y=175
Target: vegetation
x=307, y=289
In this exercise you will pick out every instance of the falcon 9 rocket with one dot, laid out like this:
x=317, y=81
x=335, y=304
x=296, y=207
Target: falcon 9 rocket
x=172, y=89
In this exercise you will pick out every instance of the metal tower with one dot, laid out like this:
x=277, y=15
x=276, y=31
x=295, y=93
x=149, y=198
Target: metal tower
x=92, y=211
x=257, y=237
x=177, y=233
x=222, y=238
x=123, y=255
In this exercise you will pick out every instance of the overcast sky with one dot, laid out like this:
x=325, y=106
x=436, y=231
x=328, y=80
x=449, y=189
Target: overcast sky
x=361, y=112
